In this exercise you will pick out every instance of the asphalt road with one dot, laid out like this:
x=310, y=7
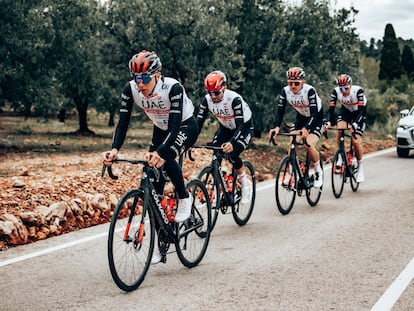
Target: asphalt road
x=351, y=253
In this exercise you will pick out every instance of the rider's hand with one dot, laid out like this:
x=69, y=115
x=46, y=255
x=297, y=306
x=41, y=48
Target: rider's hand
x=227, y=147
x=273, y=132
x=355, y=126
x=326, y=126
x=154, y=159
x=305, y=133
x=109, y=156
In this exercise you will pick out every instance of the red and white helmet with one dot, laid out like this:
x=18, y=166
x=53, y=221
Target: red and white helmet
x=344, y=80
x=145, y=63
x=295, y=73
x=215, y=81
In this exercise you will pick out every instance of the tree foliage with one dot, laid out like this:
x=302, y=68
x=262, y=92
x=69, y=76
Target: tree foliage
x=390, y=66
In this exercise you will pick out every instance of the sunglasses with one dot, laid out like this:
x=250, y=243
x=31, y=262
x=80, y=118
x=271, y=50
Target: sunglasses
x=344, y=88
x=145, y=79
x=296, y=83
x=215, y=93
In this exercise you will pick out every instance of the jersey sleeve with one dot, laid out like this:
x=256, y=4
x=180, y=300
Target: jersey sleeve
x=281, y=107
x=332, y=104
x=237, y=106
x=202, y=114
x=313, y=108
x=125, y=112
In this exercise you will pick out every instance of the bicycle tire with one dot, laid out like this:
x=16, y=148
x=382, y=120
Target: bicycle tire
x=129, y=258
x=193, y=234
x=285, y=192
x=313, y=194
x=206, y=175
x=354, y=172
x=243, y=211
x=338, y=178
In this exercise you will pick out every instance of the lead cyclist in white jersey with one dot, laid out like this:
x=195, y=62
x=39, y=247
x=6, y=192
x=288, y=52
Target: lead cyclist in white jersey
x=236, y=126
x=165, y=102
x=309, y=118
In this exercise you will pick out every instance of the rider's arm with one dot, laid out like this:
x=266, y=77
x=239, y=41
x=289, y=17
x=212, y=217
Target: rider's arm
x=332, y=104
x=237, y=106
x=313, y=107
x=125, y=112
x=361, y=108
x=281, y=107
x=176, y=97
x=202, y=114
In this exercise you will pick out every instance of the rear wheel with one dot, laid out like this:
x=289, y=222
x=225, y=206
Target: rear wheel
x=338, y=173
x=130, y=241
x=193, y=234
x=243, y=207
x=285, y=186
x=207, y=178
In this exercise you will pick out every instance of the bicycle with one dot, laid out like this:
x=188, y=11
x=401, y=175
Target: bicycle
x=342, y=169
x=139, y=213
x=224, y=189
x=294, y=176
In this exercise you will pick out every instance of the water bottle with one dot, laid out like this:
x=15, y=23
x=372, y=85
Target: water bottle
x=349, y=158
x=302, y=167
x=229, y=182
x=170, y=209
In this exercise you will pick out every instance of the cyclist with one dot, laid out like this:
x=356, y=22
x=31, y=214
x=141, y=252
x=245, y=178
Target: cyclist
x=165, y=102
x=309, y=117
x=235, y=123
x=352, y=114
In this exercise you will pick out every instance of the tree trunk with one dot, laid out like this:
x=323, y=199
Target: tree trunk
x=111, y=121
x=82, y=109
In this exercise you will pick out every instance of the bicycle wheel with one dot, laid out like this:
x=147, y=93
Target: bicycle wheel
x=338, y=173
x=130, y=241
x=313, y=194
x=354, y=173
x=243, y=210
x=207, y=177
x=285, y=186
x=193, y=234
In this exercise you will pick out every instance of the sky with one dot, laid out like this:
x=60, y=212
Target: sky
x=374, y=15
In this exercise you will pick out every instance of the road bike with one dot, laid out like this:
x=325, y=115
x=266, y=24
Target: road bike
x=141, y=214
x=295, y=176
x=344, y=164
x=225, y=188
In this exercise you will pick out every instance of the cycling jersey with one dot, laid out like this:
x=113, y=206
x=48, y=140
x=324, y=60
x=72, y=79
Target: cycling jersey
x=235, y=118
x=175, y=128
x=353, y=106
x=307, y=104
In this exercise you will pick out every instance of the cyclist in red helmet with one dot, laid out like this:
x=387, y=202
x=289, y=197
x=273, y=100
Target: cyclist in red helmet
x=166, y=104
x=309, y=117
x=235, y=123
x=351, y=114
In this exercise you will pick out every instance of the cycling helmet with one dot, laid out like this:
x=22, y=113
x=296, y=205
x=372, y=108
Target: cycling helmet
x=145, y=63
x=344, y=80
x=295, y=73
x=215, y=81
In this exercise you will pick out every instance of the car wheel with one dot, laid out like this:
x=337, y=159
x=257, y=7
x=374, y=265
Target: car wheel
x=403, y=153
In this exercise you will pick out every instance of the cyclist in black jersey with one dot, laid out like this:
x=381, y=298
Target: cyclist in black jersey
x=165, y=102
x=309, y=117
x=235, y=123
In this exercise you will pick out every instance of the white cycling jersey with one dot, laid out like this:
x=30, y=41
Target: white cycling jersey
x=356, y=98
x=301, y=101
x=158, y=105
x=224, y=111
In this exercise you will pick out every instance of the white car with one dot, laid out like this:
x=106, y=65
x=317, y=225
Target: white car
x=405, y=133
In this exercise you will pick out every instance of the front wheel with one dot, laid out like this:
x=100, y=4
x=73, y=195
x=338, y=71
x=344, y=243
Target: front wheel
x=130, y=241
x=244, y=201
x=285, y=186
x=193, y=234
x=338, y=173
x=313, y=194
x=213, y=188
x=354, y=169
